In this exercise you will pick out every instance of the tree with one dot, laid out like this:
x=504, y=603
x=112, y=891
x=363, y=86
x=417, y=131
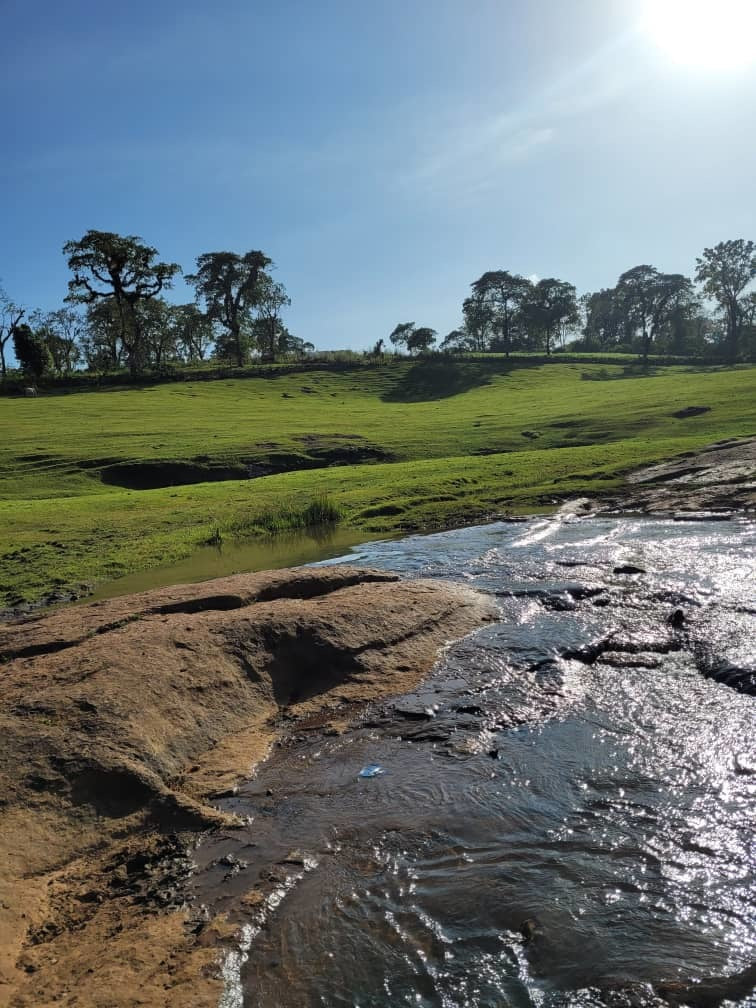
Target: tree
x=192, y=330
x=10, y=318
x=421, y=339
x=272, y=298
x=748, y=326
x=479, y=323
x=605, y=322
x=159, y=336
x=63, y=329
x=457, y=340
x=725, y=272
x=401, y=333
x=110, y=267
x=31, y=352
x=648, y=297
x=231, y=286
x=416, y=340
x=550, y=306
x=503, y=293
x=101, y=342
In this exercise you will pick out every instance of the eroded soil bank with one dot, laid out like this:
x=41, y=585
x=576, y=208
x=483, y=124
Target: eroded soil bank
x=123, y=720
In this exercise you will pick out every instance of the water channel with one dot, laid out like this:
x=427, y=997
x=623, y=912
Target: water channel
x=567, y=804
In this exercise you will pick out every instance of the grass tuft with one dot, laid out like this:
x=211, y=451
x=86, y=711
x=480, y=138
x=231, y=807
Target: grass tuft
x=323, y=510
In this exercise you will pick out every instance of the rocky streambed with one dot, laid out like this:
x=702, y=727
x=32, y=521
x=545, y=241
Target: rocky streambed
x=122, y=721
x=561, y=714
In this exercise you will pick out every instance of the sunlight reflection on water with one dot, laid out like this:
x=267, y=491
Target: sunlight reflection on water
x=604, y=806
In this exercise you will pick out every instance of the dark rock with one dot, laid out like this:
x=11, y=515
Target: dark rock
x=629, y=569
x=531, y=929
x=469, y=709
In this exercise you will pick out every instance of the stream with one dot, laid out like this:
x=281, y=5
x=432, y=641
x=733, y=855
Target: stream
x=565, y=808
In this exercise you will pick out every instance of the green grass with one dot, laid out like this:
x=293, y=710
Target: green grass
x=403, y=446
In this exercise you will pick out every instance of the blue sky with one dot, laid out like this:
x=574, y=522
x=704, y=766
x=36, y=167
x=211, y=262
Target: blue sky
x=384, y=154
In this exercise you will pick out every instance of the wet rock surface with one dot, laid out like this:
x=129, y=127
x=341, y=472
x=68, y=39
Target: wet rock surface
x=710, y=484
x=563, y=816
x=563, y=812
x=122, y=720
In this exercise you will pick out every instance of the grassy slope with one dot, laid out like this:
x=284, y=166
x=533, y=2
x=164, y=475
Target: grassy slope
x=454, y=431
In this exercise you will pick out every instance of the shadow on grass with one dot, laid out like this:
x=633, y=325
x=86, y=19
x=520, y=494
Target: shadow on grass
x=439, y=379
x=640, y=369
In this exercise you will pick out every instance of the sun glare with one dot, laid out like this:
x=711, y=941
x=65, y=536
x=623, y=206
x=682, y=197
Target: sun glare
x=712, y=34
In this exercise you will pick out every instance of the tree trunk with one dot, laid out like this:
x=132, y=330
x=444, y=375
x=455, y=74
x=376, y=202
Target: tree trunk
x=646, y=341
x=732, y=325
x=236, y=333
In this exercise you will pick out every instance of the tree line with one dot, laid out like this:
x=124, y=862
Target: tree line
x=645, y=311
x=115, y=316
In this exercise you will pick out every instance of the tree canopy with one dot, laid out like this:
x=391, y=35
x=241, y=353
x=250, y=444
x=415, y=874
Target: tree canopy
x=497, y=297
x=232, y=285
x=108, y=266
x=725, y=272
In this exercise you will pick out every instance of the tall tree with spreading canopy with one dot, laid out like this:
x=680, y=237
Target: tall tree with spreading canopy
x=549, y=307
x=110, y=267
x=725, y=272
x=503, y=293
x=10, y=319
x=231, y=286
x=648, y=298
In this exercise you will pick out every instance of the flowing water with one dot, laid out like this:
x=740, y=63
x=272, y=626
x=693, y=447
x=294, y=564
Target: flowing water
x=566, y=807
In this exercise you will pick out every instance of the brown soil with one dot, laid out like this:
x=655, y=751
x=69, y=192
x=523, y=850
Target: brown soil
x=123, y=719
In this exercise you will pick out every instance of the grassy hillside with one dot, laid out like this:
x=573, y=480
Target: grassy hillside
x=95, y=484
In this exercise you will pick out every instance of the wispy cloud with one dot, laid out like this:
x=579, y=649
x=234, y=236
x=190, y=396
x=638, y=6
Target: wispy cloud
x=474, y=146
x=473, y=154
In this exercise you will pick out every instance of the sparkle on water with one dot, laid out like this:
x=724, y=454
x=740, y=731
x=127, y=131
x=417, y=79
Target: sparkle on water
x=547, y=829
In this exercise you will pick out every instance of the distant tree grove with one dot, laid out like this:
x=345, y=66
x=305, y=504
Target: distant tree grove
x=647, y=311
x=116, y=318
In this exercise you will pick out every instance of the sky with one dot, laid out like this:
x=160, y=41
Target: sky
x=384, y=154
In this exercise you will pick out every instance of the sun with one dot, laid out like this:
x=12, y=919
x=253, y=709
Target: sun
x=712, y=34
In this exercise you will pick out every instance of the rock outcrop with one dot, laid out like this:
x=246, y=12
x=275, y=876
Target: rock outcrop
x=122, y=719
x=718, y=478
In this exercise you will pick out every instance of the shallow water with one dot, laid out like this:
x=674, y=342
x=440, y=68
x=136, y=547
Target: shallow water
x=554, y=822
x=282, y=550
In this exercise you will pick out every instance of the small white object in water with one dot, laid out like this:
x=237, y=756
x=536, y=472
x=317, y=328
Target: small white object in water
x=372, y=770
